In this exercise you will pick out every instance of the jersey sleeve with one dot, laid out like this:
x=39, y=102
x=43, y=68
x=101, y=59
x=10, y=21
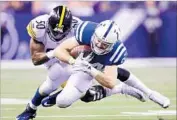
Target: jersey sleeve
x=84, y=32
x=119, y=55
x=37, y=28
x=79, y=33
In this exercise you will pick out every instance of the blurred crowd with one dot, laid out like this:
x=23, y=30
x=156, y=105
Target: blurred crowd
x=82, y=8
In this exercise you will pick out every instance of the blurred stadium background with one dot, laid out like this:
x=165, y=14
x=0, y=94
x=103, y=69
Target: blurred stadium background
x=148, y=30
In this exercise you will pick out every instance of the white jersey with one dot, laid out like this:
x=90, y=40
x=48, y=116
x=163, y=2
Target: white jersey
x=37, y=29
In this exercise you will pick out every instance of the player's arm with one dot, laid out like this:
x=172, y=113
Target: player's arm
x=103, y=78
x=38, y=54
x=62, y=52
x=36, y=30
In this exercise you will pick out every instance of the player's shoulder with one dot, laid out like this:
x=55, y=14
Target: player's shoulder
x=75, y=22
x=37, y=26
x=118, y=53
x=86, y=25
x=85, y=30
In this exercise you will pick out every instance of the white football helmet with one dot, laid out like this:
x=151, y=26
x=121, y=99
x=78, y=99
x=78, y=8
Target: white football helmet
x=105, y=36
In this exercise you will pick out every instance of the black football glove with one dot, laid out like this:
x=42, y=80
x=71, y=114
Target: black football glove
x=94, y=93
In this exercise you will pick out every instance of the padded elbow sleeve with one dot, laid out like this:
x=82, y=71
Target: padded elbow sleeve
x=123, y=74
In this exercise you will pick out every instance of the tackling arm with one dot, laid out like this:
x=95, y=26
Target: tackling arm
x=62, y=52
x=37, y=52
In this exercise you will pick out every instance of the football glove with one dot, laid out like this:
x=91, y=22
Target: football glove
x=82, y=63
x=94, y=93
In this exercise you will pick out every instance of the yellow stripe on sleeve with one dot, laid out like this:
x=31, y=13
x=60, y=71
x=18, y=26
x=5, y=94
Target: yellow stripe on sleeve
x=63, y=84
x=30, y=30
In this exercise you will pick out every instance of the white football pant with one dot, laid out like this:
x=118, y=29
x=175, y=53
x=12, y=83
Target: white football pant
x=78, y=83
x=57, y=74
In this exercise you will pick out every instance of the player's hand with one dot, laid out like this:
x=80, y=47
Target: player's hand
x=85, y=57
x=82, y=64
x=94, y=93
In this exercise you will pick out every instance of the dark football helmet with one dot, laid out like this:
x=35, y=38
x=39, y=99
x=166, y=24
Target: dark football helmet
x=59, y=23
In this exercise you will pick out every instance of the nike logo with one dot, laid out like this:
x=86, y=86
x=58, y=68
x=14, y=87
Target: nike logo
x=46, y=104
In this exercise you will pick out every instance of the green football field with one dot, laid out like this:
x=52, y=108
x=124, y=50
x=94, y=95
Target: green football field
x=17, y=86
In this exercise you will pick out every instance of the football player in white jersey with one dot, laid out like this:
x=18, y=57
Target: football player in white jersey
x=47, y=32
x=107, y=49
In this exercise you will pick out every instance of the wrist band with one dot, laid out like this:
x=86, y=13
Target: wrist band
x=50, y=54
x=94, y=72
x=71, y=61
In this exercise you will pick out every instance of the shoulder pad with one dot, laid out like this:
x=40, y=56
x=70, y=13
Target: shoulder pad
x=84, y=32
x=37, y=26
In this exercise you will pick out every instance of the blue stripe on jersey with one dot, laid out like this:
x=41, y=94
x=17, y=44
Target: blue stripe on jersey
x=77, y=34
x=118, y=54
x=82, y=31
x=109, y=28
x=122, y=57
x=118, y=58
x=87, y=32
x=116, y=50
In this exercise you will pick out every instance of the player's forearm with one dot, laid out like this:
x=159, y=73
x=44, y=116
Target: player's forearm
x=103, y=79
x=63, y=55
x=39, y=58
